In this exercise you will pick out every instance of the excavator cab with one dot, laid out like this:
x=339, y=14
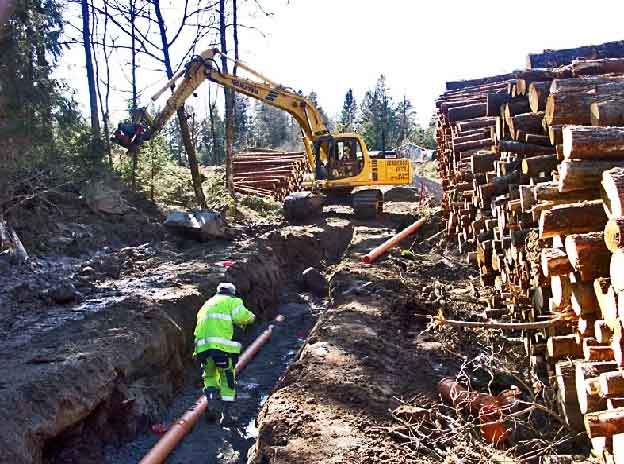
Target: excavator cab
x=346, y=158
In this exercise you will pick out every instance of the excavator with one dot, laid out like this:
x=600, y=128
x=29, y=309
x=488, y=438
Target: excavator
x=339, y=163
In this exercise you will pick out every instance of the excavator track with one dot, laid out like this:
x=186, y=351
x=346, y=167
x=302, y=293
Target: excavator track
x=299, y=206
x=367, y=204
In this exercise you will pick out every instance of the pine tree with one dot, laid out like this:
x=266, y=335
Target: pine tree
x=406, y=125
x=349, y=113
x=378, y=121
x=242, y=124
x=329, y=124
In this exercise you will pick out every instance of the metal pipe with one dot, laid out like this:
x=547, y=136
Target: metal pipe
x=392, y=241
x=184, y=424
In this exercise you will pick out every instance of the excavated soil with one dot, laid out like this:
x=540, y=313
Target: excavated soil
x=368, y=357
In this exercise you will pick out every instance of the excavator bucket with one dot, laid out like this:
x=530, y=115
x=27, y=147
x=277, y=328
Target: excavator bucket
x=303, y=205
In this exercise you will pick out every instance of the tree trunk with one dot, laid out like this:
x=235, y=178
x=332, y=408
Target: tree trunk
x=607, y=299
x=583, y=299
x=593, y=143
x=483, y=162
x=470, y=111
x=595, y=67
x=229, y=104
x=574, y=106
x=565, y=373
x=607, y=112
x=538, y=93
x=574, y=218
x=537, y=164
x=86, y=38
x=613, y=191
x=584, y=372
x=549, y=191
x=525, y=122
x=524, y=148
x=9, y=240
x=583, y=175
x=182, y=117
x=604, y=423
x=555, y=134
x=617, y=270
x=563, y=346
x=555, y=262
x=477, y=123
x=588, y=255
x=213, y=131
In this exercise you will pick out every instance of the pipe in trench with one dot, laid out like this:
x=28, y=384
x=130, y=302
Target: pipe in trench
x=184, y=424
x=392, y=241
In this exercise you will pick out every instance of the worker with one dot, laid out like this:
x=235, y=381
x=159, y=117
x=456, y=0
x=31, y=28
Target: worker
x=215, y=350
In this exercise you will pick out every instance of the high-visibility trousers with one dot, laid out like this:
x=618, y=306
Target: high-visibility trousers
x=218, y=372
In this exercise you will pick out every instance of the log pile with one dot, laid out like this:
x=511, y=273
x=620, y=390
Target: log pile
x=267, y=173
x=533, y=176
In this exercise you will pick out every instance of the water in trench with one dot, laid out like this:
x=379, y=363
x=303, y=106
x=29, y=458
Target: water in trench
x=209, y=442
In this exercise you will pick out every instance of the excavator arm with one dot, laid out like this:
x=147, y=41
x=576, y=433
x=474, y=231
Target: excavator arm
x=203, y=67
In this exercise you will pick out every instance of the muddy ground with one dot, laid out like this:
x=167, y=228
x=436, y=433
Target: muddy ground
x=98, y=334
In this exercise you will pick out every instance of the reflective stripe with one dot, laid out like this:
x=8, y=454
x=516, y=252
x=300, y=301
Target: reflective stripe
x=227, y=398
x=237, y=310
x=221, y=316
x=219, y=340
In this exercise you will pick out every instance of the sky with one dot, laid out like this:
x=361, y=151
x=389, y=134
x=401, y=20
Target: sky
x=329, y=46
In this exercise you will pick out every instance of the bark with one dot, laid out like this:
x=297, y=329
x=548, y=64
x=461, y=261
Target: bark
x=9, y=240
x=583, y=175
x=555, y=262
x=565, y=374
x=229, y=103
x=572, y=219
x=537, y=164
x=525, y=122
x=595, y=67
x=86, y=39
x=516, y=106
x=556, y=58
x=574, y=107
x=583, y=299
x=584, y=372
x=471, y=111
x=614, y=234
x=458, y=85
x=612, y=186
x=483, y=162
x=213, y=130
x=561, y=290
x=607, y=112
x=185, y=130
x=524, y=148
x=588, y=255
x=471, y=145
x=538, y=139
x=604, y=423
x=495, y=100
x=602, y=332
x=555, y=134
x=563, y=346
x=593, y=143
x=476, y=123
x=538, y=93
x=549, y=191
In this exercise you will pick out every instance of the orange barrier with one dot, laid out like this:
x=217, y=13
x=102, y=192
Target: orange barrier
x=184, y=424
x=392, y=241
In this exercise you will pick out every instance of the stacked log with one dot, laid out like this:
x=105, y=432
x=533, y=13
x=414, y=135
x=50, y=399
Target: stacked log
x=534, y=187
x=269, y=173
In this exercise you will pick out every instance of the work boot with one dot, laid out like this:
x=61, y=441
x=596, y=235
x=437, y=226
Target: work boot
x=214, y=412
x=229, y=418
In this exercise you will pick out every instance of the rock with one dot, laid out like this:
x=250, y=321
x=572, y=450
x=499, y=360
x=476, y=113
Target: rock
x=102, y=198
x=314, y=281
x=200, y=225
x=63, y=293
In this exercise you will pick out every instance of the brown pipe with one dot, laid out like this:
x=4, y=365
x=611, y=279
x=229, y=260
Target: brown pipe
x=392, y=241
x=184, y=424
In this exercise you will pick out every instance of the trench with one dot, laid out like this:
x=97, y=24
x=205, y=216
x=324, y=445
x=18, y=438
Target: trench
x=163, y=380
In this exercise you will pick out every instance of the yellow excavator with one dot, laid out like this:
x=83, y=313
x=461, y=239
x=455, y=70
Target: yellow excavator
x=339, y=162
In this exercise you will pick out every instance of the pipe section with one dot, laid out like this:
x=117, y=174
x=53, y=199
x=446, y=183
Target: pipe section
x=392, y=241
x=184, y=424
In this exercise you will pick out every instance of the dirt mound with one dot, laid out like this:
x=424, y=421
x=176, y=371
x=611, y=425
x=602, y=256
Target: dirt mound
x=77, y=219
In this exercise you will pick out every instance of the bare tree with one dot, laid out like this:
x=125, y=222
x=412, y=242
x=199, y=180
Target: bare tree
x=86, y=40
x=191, y=153
x=229, y=103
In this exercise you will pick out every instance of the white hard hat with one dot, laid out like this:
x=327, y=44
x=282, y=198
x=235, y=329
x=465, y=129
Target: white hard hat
x=227, y=288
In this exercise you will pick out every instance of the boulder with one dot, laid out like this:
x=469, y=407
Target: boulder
x=316, y=282
x=198, y=224
x=63, y=293
x=102, y=198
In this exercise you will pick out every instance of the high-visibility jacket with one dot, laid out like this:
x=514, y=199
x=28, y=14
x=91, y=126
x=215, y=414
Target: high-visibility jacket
x=215, y=323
